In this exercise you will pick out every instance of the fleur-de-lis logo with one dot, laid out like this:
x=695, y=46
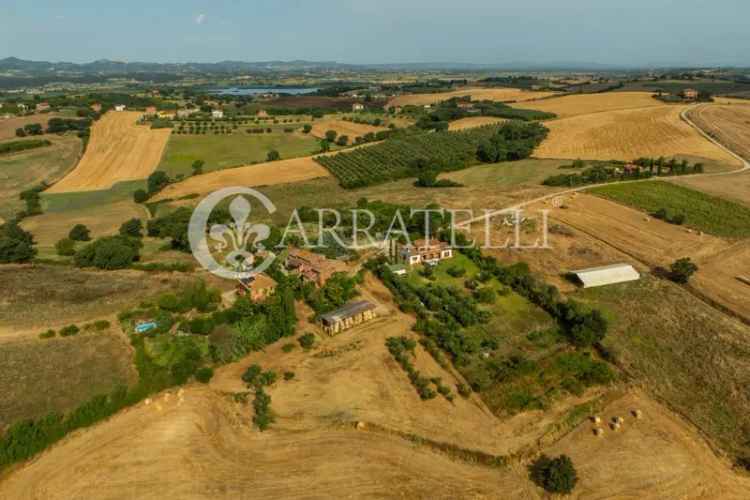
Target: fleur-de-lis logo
x=239, y=233
x=235, y=240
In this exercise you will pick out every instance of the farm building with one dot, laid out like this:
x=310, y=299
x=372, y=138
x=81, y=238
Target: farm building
x=184, y=113
x=217, y=114
x=42, y=106
x=120, y=107
x=358, y=107
x=258, y=287
x=606, y=275
x=348, y=316
x=312, y=267
x=262, y=113
x=690, y=94
x=150, y=111
x=425, y=252
x=22, y=107
x=96, y=107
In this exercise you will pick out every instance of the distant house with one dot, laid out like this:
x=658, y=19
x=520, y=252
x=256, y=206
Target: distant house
x=348, y=316
x=150, y=111
x=425, y=252
x=358, y=106
x=96, y=107
x=22, y=107
x=606, y=275
x=42, y=106
x=312, y=267
x=217, y=114
x=120, y=107
x=465, y=105
x=690, y=94
x=262, y=113
x=185, y=113
x=258, y=287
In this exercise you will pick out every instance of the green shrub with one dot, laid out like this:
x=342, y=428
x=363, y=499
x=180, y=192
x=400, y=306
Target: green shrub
x=79, y=232
x=681, y=270
x=69, y=331
x=47, y=335
x=101, y=325
x=555, y=475
x=140, y=196
x=65, y=247
x=110, y=252
x=287, y=347
x=251, y=374
x=307, y=341
x=288, y=376
x=204, y=374
x=132, y=228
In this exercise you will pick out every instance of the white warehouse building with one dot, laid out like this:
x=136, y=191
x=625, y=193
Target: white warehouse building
x=606, y=275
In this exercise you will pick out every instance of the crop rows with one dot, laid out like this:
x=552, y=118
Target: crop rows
x=394, y=159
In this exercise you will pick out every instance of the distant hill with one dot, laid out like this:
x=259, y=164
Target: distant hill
x=105, y=66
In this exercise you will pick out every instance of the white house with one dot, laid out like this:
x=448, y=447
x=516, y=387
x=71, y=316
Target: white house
x=606, y=275
x=358, y=106
x=120, y=107
x=217, y=114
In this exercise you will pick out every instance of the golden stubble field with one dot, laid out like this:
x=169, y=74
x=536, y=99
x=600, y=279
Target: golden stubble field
x=628, y=134
x=262, y=174
x=343, y=127
x=198, y=442
x=473, y=121
x=585, y=104
x=477, y=94
x=119, y=150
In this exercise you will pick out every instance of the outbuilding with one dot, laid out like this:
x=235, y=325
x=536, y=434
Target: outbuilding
x=606, y=275
x=346, y=317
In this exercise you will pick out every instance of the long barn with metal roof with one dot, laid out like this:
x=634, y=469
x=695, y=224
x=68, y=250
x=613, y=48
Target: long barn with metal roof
x=606, y=275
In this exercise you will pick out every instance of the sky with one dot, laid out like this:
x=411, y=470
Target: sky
x=632, y=32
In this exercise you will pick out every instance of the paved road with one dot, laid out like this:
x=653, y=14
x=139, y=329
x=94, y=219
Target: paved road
x=684, y=116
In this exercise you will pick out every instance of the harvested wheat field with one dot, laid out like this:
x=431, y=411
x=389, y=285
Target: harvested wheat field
x=726, y=276
x=729, y=124
x=627, y=135
x=119, y=150
x=477, y=94
x=584, y=104
x=733, y=187
x=351, y=420
x=8, y=126
x=623, y=464
x=262, y=174
x=634, y=232
x=343, y=127
x=473, y=121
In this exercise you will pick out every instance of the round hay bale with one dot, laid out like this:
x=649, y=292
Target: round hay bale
x=615, y=426
x=596, y=419
x=147, y=401
x=598, y=432
x=637, y=413
x=360, y=426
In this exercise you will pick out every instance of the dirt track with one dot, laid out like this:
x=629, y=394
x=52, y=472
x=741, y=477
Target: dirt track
x=119, y=150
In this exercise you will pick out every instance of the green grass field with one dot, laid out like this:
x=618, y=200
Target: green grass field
x=225, y=151
x=702, y=212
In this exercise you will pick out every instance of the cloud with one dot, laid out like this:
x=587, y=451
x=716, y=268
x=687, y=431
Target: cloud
x=200, y=18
